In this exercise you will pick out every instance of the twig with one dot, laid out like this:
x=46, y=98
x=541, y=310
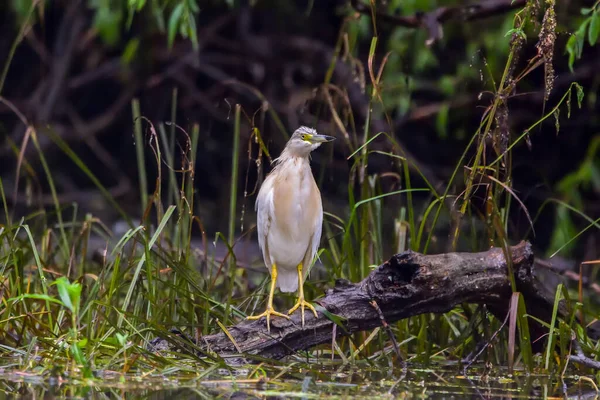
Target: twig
x=432, y=21
x=64, y=48
x=581, y=358
x=471, y=360
x=387, y=329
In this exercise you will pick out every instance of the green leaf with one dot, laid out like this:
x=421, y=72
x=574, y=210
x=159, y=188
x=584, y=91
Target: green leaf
x=441, y=121
x=571, y=49
x=580, y=34
x=136, y=4
x=569, y=102
x=74, y=290
x=580, y=93
x=580, y=37
x=447, y=85
x=63, y=292
x=586, y=11
x=194, y=6
x=107, y=22
x=23, y=10
x=122, y=339
x=183, y=25
x=133, y=7
x=130, y=51
x=595, y=177
x=516, y=31
x=594, y=29
x=70, y=293
x=78, y=354
x=575, y=43
x=174, y=22
x=336, y=319
x=193, y=34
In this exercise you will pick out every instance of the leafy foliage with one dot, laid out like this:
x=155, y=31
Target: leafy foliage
x=591, y=25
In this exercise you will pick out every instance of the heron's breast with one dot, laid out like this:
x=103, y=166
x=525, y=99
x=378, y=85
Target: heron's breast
x=297, y=202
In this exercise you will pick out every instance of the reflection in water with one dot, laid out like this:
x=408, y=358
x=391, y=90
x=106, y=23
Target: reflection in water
x=326, y=381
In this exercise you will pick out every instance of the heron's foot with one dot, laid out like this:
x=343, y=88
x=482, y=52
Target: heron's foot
x=268, y=312
x=301, y=303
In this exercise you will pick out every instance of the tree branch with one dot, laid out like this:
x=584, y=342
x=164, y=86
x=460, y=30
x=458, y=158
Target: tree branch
x=408, y=284
x=432, y=21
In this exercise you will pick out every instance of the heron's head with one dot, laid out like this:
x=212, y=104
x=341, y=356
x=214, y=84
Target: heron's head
x=304, y=140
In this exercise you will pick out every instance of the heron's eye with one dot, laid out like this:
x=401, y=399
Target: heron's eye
x=303, y=137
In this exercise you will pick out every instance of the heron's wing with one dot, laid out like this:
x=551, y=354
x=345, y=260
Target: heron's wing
x=264, y=215
x=315, y=239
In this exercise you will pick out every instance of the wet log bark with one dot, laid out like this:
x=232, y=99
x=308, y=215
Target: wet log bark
x=407, y=284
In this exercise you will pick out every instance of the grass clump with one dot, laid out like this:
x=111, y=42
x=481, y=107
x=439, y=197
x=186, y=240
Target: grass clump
x=69, y=306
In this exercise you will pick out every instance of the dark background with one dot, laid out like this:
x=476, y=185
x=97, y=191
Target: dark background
x=66, y=78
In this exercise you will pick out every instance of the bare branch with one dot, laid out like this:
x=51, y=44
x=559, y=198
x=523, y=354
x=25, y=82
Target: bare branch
x=432, y=21
x=407, y=284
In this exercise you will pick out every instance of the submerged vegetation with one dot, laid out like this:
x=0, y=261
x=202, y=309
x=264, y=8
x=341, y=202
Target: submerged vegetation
x=82, y=295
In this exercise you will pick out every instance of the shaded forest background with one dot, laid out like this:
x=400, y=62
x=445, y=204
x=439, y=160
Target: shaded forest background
x=81, y=63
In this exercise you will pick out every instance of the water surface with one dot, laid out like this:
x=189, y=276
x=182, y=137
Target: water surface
x=331, y=381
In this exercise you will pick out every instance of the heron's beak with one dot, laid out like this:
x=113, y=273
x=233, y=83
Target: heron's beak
x=321, y=138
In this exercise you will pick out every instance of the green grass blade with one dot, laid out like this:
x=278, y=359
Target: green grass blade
x=231, y=265
x=139, y=149
x=40, y=269
x=550, y=346
x=142, y=260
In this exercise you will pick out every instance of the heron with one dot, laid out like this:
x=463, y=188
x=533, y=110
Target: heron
x=289, y=220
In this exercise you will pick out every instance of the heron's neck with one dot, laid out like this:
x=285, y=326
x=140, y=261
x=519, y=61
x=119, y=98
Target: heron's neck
x=288, y=156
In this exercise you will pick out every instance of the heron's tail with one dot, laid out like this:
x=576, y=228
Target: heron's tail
x=287, y=279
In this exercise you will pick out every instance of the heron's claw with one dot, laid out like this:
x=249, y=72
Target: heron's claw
x=301, y=303
x=268, y=312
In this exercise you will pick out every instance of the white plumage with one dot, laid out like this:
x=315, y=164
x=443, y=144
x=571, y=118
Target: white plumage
x=289, y=219
x=291, y=226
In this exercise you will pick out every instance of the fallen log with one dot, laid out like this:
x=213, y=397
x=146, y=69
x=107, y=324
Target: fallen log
x=407, y=284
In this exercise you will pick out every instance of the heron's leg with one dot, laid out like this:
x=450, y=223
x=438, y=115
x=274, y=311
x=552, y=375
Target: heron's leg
x=270, y=310
x=301, y=302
